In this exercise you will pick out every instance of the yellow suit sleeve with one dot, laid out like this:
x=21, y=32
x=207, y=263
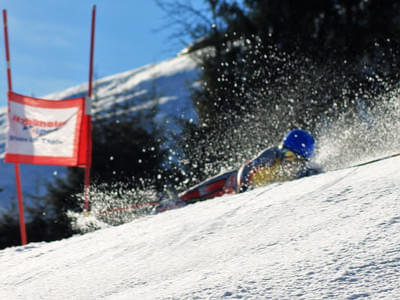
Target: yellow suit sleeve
x=265, y=175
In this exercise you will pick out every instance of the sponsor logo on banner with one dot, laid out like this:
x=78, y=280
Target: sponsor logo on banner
x=39, y=128
x=45, y=131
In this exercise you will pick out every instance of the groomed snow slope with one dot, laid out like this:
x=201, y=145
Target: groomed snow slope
x=334, y=235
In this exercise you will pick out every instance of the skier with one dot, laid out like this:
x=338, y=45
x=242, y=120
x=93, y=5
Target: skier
x=286, y=162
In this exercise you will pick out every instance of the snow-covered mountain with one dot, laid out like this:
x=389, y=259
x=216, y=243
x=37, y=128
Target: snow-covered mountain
x=334, y=235
x=166, y=83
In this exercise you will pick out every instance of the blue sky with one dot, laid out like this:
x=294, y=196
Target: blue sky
x=50, y=40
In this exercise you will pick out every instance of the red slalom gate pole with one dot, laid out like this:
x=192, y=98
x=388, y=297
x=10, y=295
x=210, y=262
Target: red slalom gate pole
x=7, y=49
x=88, y=113
x=92, y=51
x=16, y=165
x=20, y=206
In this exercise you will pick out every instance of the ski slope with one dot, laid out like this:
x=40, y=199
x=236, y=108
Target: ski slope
x=334, y=235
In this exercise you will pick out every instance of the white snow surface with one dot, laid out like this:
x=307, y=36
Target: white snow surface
x=334, y=235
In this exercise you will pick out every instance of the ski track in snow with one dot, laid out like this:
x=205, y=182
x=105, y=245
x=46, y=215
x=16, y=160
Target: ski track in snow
x=334, y=235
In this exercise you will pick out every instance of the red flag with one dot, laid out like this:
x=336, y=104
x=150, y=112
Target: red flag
x=85, y=142
x=48, y=132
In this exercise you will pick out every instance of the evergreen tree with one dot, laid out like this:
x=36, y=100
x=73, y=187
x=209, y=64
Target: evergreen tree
x=9, y=230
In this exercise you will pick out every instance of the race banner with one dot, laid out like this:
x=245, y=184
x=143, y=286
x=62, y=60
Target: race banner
x=49, y=132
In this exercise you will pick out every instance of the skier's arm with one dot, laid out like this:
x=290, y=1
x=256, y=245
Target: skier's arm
x=213, y=187
x=264, y=163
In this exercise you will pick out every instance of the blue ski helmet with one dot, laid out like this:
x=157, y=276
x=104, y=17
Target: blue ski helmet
x=300, y=142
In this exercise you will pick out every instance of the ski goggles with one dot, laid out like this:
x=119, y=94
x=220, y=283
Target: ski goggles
x=289, y=155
